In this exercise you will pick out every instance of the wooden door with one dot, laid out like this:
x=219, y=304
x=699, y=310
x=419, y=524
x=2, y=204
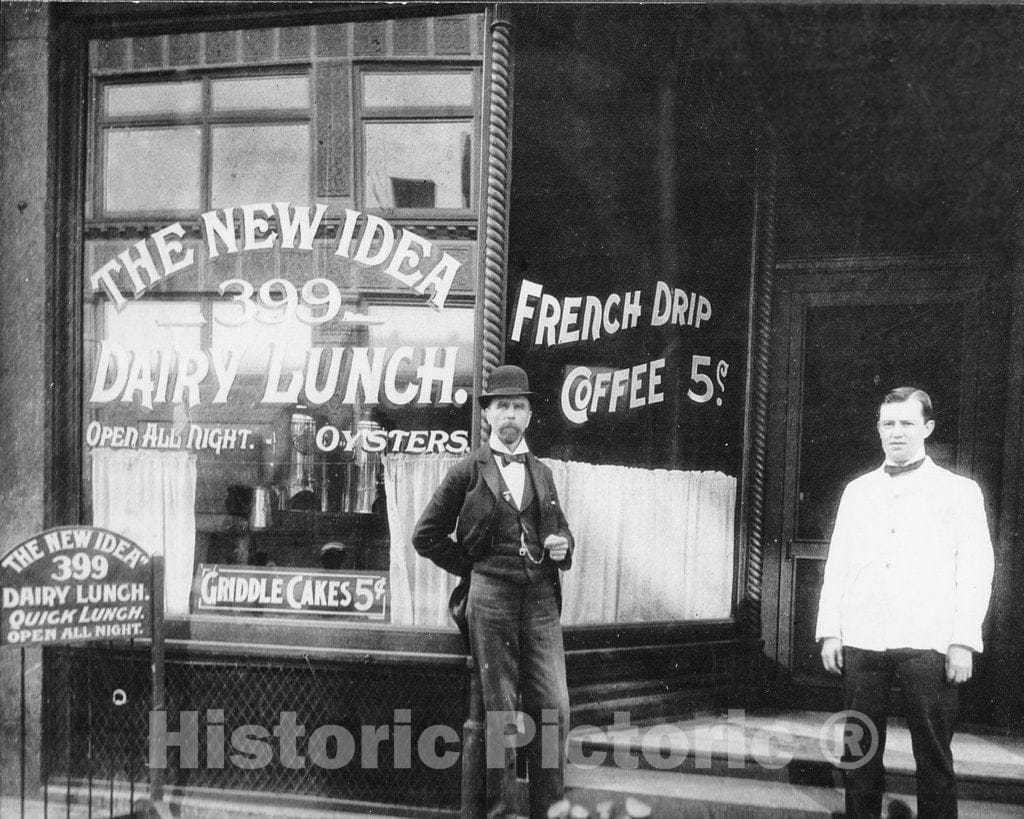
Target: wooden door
x=840, y=342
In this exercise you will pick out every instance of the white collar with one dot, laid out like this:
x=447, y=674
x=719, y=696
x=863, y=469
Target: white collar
x=925, y=466
x=497, y=445
x=924, y=458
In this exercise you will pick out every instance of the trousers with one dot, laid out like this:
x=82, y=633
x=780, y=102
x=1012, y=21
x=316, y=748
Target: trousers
x=516, y=640
x=929, y=706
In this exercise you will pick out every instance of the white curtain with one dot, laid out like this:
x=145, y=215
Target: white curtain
x=419, y=589
x=651, y=544
x=150, y=497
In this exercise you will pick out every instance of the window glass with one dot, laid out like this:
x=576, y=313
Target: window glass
x=140, y=99
x=231, y=154
x=391, y=326
x=260, y=163
x=272, y=391
x=259, y=93
x=408, y=90
x=155, y=325
x=629, y=303
x=254, y=341
x=417, y=164
x=152, y=169
x=394, y=324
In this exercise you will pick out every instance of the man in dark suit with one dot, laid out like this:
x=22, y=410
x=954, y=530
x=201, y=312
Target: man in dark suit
x=511, y=539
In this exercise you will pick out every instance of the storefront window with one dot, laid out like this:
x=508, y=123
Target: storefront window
x=280, y=277
x=277, y=367
x=629, y=276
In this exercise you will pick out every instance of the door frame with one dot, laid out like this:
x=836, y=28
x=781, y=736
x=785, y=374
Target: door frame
x=799, y=286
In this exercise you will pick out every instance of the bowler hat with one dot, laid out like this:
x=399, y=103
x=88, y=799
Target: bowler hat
x=506, y=380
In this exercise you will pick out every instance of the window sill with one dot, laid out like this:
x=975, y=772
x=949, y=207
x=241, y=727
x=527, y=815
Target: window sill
x=291, y=637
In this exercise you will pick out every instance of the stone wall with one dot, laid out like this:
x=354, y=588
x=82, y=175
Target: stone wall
x=24, y=209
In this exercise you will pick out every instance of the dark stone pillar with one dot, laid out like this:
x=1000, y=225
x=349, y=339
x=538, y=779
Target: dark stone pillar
x=24, y=91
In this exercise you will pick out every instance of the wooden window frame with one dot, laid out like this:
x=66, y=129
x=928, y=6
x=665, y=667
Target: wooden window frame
x=206, y=120
x=364, y=115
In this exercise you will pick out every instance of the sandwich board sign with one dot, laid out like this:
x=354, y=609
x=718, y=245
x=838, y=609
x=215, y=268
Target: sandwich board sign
x=73, y=584
x=76, y=584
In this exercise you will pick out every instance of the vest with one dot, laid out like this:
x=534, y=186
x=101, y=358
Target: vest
x=503, y=560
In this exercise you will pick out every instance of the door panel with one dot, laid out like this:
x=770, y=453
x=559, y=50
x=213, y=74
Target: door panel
x=851, y=356
x=841, y=344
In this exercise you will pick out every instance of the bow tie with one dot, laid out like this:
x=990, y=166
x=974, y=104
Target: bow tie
x=892, y=469
x=507, y=458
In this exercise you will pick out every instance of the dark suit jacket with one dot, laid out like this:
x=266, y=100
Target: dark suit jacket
x=470, y=494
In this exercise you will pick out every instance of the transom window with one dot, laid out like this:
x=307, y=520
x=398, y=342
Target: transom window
x=188, y=146
x=417, y=140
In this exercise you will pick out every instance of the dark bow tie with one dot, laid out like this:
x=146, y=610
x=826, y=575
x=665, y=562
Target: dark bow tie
x=507, y=458
x=903, y=469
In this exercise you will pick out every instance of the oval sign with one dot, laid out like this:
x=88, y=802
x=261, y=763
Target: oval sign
x=72, y=584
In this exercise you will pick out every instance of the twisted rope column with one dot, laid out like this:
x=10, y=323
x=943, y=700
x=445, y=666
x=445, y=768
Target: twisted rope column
x=494, y=228
x=490, y=329
x=759, y=400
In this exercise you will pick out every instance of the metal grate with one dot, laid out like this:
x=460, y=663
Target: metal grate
x=94, y=733
x=86, y=736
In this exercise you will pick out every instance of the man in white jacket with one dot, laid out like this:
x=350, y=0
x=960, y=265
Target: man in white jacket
x=906, y=589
